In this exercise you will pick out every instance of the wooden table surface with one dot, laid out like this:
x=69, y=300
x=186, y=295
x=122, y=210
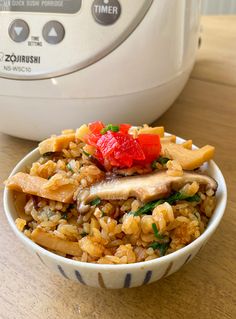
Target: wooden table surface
x=206, y=287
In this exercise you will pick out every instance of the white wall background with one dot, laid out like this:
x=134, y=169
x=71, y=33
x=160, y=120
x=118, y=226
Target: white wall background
x=219, y=6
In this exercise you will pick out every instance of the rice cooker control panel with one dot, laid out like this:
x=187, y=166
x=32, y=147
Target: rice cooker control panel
x=45, y=38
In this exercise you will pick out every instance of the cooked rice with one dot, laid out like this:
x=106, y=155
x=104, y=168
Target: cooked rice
x=108, y=233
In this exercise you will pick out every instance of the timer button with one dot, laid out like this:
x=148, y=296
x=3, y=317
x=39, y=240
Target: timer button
x=106, y=12
x=53, y=32
x=19, y=30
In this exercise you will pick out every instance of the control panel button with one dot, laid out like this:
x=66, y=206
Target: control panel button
x=19, y=30
x=106, y=12
x=53, y=32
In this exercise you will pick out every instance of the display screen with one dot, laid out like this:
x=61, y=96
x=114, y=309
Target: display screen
x=48, y=6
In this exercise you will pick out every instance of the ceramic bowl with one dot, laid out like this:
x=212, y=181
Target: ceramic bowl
x=118, y=276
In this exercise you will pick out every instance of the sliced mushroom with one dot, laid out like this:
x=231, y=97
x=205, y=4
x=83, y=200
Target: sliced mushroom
x=147, y=187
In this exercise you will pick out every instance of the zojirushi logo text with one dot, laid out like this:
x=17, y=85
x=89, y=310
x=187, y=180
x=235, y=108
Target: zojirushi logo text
x=29, y=59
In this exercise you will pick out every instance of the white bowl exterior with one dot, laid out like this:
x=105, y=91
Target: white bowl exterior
x=118, y=276
x=113, y=278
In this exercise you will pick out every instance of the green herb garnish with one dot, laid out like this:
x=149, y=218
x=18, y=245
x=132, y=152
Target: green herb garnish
x=69, y=168
x=95, y=202
x=85, y=153
x=171, y=200
x=110, y=127
x=161, y=160
x=195, y=198
x=47, y=154
x=148, y=207
x=64, y=216
x=154, y=164
x=181, y=196
x=162, y=247
x=83, y=234
x=156, y=232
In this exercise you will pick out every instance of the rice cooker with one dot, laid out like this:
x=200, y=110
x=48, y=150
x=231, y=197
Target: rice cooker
x=68, y=62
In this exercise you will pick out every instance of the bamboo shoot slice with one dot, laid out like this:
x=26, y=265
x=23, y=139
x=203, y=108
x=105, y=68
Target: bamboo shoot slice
x=188, y=159
x=56, y=143
x=152, y=130
x=35, y=185
x=50, y=241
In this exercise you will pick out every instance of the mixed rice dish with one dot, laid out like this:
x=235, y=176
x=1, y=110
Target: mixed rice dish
x=114, y=194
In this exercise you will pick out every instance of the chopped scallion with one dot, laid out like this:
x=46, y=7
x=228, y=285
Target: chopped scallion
x=95, y=202
x=161, y=160
x=64, y=216
x=47, y=154
x=83, y=234
x=85, y=153
x=162, y=247
x=69, y=168
x=171, y=200
x=110, y=127
x=156, y=232
x=148, y=207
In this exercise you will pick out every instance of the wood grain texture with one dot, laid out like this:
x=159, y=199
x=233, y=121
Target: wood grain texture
x=216, y=60
x=204, y=288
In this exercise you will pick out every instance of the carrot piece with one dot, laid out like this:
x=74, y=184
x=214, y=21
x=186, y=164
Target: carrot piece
x=35, y=185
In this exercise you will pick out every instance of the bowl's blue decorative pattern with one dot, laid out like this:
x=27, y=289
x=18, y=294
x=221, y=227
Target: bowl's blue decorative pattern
x=148, y=277
x=79, y=277
x=62, y=272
